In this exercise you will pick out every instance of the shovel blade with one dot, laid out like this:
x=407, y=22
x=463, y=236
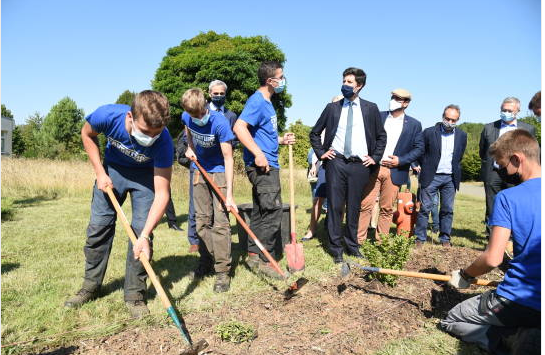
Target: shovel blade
x=295, y=256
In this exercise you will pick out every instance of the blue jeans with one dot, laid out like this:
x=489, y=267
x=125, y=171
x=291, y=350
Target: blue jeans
x=101, y=229
x=435, y=212
x=191, y=221
x=442, y=184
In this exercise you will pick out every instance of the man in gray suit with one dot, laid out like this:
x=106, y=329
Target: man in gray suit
x=493, y=182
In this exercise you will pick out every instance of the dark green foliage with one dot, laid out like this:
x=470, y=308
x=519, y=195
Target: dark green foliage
x=18, y=143
x=30, y=134
x=8, y=210
x=536, y=122
x=236, y=332
x=210, y=56
x=6, y=112
x=126, y=98
x=301, y=147
x=471, y=166
x=392, y=253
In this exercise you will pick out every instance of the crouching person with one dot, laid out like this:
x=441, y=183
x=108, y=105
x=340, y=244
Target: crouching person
x=209, y=138
x=137, y=160
x=508, y=317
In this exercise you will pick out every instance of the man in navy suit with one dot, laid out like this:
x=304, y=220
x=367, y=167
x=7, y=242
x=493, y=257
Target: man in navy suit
x=444, y=146
x=403, y=146
x=354, y=143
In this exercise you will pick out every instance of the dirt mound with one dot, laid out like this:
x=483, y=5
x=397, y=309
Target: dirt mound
x=353, y=316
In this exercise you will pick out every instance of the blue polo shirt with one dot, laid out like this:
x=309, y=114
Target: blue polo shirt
x=519, y=209
x=121, y=148
x=207, y=139
x=260, y=115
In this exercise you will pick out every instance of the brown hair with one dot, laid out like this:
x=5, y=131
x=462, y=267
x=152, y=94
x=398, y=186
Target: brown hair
x=267, y=70
x=535, y=103
x=515, y=141
x=193, y=102
x=152, y=107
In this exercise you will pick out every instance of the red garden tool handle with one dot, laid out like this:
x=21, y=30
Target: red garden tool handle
x=244, y=225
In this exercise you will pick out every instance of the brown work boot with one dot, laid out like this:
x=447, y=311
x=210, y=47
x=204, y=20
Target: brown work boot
x=193, y=248
x=137, y=309
x=81, y=297
x=223, y=282
x=252, y=260
x=266, y=269
x=446, y=244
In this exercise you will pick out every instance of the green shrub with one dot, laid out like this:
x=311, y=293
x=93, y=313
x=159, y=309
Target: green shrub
x=471, y=166
x=7, y=209
x=392, y=253
x=236, y=332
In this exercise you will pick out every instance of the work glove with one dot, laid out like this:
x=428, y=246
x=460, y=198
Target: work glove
x=458, y=279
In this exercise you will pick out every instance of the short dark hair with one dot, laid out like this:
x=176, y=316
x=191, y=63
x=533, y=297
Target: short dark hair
x=535, y=103
x=453, y=107
x=358, y=73
x=267, y=70
x=152, y=107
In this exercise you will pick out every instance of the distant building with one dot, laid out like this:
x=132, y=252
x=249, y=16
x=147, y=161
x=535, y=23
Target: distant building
x=8, y=124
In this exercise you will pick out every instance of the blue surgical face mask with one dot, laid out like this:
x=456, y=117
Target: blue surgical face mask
x=143, y=139
x=348, y=91
x=507, y=116
x=218, y=101
x=201, y=122
x=281, y=86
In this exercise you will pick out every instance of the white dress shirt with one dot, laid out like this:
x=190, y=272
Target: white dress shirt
x=214, y=108
x=447, y=150
x=393, y=127
x=359, y=144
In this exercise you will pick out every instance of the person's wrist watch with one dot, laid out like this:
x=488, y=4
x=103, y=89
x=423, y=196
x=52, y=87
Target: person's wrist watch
x=466, y=277
x=144, y=236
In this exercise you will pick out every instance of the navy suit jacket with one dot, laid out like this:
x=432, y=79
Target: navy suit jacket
x=432, y=154
x=409, y=147
x=375, y=135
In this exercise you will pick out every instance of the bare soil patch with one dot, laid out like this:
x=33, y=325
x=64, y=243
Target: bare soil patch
x=353, y=316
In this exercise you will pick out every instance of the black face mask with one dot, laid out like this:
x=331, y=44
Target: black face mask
x=513, y=179
x=218, y=100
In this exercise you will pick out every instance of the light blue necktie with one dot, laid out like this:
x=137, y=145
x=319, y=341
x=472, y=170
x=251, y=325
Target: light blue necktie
x=348, y=135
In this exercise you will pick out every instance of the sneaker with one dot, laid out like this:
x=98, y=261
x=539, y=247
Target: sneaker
x=252, y=260
x=200, y=272
x=266, y=269
x=223, y=282
x=193, y=248
x=81, y=297
x=137, y=309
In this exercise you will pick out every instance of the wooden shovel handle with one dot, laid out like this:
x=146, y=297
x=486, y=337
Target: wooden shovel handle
x=144, y=261
x=292, y=195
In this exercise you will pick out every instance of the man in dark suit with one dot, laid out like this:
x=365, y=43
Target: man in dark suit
x=353, y=145
x=444, y=146
x=493, y=183
x=403, y=146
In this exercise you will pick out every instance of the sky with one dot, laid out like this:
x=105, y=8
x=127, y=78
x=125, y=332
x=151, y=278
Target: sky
x=465, y=52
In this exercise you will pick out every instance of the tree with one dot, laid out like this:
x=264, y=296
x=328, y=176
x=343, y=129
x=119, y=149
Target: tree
x=17, y=142
x=30, y=134
x=126, y=98
x=60, y=133
x=300, y=149
x=6, y=112
x=534, y=121
x=209, y=56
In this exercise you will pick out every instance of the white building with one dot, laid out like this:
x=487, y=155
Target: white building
x=8, y=124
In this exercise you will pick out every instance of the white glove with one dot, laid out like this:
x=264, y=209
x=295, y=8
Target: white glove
x=458, y=281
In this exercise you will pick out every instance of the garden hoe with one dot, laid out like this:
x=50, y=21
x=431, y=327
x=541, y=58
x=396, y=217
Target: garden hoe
x=195, y=348
x=420, y=275
x=294, y=250
x=293, y=287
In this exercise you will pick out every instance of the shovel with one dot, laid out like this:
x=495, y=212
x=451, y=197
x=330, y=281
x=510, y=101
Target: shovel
x=294, y=250
x=195, y=348
x=293, y=287
x=420, y=275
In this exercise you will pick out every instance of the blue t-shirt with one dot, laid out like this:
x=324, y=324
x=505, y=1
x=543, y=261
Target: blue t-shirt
x=260, y=115
x=519, y=209
x=121, y=148
x=207, y=139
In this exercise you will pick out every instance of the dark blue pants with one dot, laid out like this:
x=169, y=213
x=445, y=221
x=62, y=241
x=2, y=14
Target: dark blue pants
x=191, y=221
x=345, y=184
x=101, y=230
x=442, y=184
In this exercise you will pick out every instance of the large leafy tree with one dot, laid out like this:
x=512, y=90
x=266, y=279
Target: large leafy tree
x=6, y=112
x=30, y=135
x=126, y=98
x=210, y=56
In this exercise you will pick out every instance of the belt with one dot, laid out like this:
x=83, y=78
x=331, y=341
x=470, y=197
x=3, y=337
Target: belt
x=351, y=159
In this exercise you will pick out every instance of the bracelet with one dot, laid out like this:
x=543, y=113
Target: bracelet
x=466, y=277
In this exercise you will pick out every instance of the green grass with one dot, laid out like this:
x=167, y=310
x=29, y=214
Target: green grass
x=42, y=257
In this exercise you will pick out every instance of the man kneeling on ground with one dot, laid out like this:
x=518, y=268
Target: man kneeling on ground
x=492, y=319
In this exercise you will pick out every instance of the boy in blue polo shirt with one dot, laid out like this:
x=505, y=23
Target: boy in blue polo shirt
x=209, y=139
x=137, y=160
x=515, y=305
x=256, y=128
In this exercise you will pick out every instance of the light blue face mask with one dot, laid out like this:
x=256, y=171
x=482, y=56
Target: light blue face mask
x=507, y=116
x=143, y=139
x=281, y=86
x=201, y=122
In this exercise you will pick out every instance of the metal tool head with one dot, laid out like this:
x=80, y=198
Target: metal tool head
x=296, y=286
x=345, y=270
x=196, y=348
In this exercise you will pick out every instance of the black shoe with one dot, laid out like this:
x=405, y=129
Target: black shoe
x=174, y=226
x=338, y=259
x=222, y=283
x=357, y=255
x=81, y=297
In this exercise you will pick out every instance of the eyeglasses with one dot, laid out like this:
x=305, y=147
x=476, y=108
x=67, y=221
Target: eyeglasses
x=400, y=99
x=281, y=78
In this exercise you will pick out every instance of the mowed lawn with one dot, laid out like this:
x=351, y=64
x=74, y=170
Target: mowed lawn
x=42, y=259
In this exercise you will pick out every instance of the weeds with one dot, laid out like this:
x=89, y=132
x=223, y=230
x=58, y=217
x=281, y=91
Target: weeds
x=236, y=332
x=7, y=209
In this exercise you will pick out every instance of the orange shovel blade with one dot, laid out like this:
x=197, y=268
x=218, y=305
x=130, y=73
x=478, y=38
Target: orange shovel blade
x=295, y=255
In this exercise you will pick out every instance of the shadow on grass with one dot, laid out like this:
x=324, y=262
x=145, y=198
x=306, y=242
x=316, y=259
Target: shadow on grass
x=32, y=201
x=60, y=351
x=470, y=235
x=180, y=219
x=7, y=267
x=443, y=300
